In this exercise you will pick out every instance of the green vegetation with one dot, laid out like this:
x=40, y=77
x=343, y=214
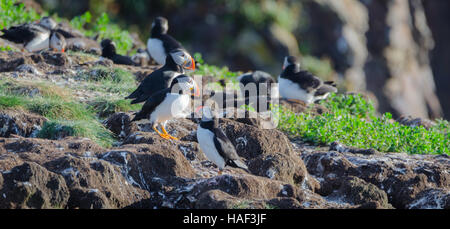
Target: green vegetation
x=104, y=29
x=351, y=121
x=105, y=107
x=211, y=70
x=71, y=117
x=14, y=14
x=106, y=80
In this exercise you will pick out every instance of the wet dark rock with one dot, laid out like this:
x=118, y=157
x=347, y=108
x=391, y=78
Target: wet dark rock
x=20, y=123
x=32, y=186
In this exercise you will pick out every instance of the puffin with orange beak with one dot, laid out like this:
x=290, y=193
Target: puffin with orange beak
x=160, y=44
x=176, y=63
x=170, y=103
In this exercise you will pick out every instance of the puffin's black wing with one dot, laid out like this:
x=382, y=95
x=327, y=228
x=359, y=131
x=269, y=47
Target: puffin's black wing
x=125, y=60
x=19, y=34
x=65, y=33
x=306, y=80
x=170, y=43
x=151, y=104
x=226, y=149
x=156, y=81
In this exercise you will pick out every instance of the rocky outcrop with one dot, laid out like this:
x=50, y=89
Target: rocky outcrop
x=404, y=178
x=20, y=123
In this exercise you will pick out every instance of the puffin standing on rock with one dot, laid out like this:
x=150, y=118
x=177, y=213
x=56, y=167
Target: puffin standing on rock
x=176, y=62
x=297, y=85
x=170, y=103
x=215, y=144
x=109, y=51
x=160, y=44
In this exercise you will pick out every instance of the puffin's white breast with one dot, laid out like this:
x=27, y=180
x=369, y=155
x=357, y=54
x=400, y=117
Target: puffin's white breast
x=205, y=139
x=173, y=106
x=291, y=90
x=156, y=49
x=40, y=42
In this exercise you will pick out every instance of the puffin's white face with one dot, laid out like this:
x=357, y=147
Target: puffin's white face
x=183, y=59
x=47, y=22
x=186, y=84
x=57, y=42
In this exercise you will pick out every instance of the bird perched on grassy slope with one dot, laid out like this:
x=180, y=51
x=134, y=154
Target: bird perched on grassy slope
x=176, y=62
x=167, y=104
x=298, y=85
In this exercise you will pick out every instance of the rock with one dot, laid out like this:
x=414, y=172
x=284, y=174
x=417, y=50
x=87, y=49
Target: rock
x=402, y=177
x=336, y=146
x=360, y=192
x=120, y=124
x=268, y=152
x=431, y=199
x=415, y=122
x=32, y=186
x=56, y=58
x=20, y=123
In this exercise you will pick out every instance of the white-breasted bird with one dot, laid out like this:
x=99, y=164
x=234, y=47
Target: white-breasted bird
x=298, y=85
x=170, y=103
x=215, y=144
x=160, y=44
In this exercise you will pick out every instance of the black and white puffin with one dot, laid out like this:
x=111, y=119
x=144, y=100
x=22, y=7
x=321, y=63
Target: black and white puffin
x=57, y=42
x=298, y=85
x=263, y=82
x=109, y=51
x=215, y=144
x=170, y=103
x=160, y=43
x=35, y=36
x=176, y=62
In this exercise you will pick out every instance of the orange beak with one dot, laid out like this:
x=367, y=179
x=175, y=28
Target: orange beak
x=192, y=66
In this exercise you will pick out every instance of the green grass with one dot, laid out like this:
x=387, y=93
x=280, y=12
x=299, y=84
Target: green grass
x=105, y=107
x=106, y=80
x=351, y=121
x=64, y=114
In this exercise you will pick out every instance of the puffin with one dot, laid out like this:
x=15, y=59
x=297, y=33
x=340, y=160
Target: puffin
x=57, y=42
x=51, y=24
x=176, y=62
x=160, y=43
x=170, y=103
x=109, y=51
x=297, y=85
x=262, y=80
x=215, y=144
x=35, y=36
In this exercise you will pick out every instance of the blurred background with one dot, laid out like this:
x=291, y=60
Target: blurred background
x=395, y=51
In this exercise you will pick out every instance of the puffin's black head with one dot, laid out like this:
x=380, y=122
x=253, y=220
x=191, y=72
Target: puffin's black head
x=108, y=48
x=57, y=42
x=181, y=58
x=47, y=22
x=160, y=26
x=290, y=60
x=184, y=84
